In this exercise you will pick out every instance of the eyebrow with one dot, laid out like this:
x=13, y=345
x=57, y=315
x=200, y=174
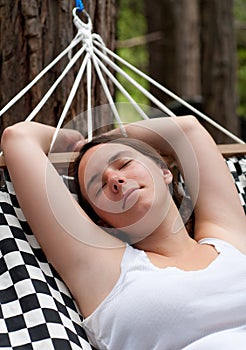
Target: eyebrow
x=117, y=155
x=111, y=160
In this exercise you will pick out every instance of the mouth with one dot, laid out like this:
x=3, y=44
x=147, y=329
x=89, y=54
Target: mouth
x=127, y=195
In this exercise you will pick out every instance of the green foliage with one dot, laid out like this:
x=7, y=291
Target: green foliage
x=242, y=81
x=240, y=10
x=131, y=19
x=131, y=24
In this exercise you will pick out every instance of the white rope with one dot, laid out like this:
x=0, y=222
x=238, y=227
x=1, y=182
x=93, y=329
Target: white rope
x=97, y=52
x=109, y=97
x=89, y=113
x=171, y=94
x=83, y=28
x=136, y=84
x=70, y=98
x=16, y=98
x=53, y=87
x=122, y=89
x=84, y=35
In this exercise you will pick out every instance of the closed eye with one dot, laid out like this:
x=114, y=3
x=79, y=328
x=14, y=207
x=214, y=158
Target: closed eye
x=125, y=164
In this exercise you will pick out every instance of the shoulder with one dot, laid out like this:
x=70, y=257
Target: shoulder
x=224, y=238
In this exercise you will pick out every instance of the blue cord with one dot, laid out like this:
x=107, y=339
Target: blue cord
x=79, y=5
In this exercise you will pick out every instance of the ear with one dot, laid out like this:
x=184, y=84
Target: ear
x=167, y=175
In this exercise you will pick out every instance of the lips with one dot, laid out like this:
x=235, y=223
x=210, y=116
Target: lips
x=127, y=194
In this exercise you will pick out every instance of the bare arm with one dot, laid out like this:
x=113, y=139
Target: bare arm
x=218, y=211
x=69, y=239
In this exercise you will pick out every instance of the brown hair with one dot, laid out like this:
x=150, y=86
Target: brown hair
x=148, y=151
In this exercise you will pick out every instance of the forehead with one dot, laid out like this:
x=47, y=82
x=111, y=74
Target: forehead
x=98, y=157
x=106, y=153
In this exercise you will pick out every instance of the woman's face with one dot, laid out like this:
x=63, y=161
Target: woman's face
x=122, y=185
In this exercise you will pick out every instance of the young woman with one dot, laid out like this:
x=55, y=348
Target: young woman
x=162, y=289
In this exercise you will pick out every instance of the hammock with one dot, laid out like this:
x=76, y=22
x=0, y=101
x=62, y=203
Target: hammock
x=36, y=308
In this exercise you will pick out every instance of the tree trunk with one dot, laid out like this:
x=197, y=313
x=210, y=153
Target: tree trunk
x=219, y=65
x=196, y=57
x=33, y=33
x=175, y=60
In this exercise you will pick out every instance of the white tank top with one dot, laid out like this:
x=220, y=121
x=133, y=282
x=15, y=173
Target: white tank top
x=153, y=308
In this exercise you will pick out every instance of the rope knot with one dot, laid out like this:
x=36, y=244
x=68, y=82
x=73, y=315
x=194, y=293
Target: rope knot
x=84, y=29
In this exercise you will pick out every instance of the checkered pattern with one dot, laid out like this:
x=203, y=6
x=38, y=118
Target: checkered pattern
x=237, y=167
x=36, y=309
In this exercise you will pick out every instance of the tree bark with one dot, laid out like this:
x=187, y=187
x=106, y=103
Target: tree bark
x=175, y=60
x=219, y=65
x=196, y=57
x=33, y=33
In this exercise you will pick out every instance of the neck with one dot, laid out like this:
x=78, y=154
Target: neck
x=170, y=238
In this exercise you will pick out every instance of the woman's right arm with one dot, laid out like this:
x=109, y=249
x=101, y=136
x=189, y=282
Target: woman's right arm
x=76, y=247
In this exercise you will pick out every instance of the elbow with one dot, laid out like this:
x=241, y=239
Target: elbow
x=189, y=124
x=6, y=136
x=10, y=134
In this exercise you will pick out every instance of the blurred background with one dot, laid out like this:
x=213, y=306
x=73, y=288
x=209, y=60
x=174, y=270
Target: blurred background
x=195, y=48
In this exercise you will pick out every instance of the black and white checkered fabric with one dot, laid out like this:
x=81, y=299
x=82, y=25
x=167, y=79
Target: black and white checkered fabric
x=237, y=167
x=36, y=309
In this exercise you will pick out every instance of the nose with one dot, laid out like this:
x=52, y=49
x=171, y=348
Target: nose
x=116, y=182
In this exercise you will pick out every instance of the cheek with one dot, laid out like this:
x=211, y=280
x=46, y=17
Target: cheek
x=141, y=174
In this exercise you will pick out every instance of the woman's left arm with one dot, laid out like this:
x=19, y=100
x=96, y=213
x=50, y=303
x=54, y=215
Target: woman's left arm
x=218, y=211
